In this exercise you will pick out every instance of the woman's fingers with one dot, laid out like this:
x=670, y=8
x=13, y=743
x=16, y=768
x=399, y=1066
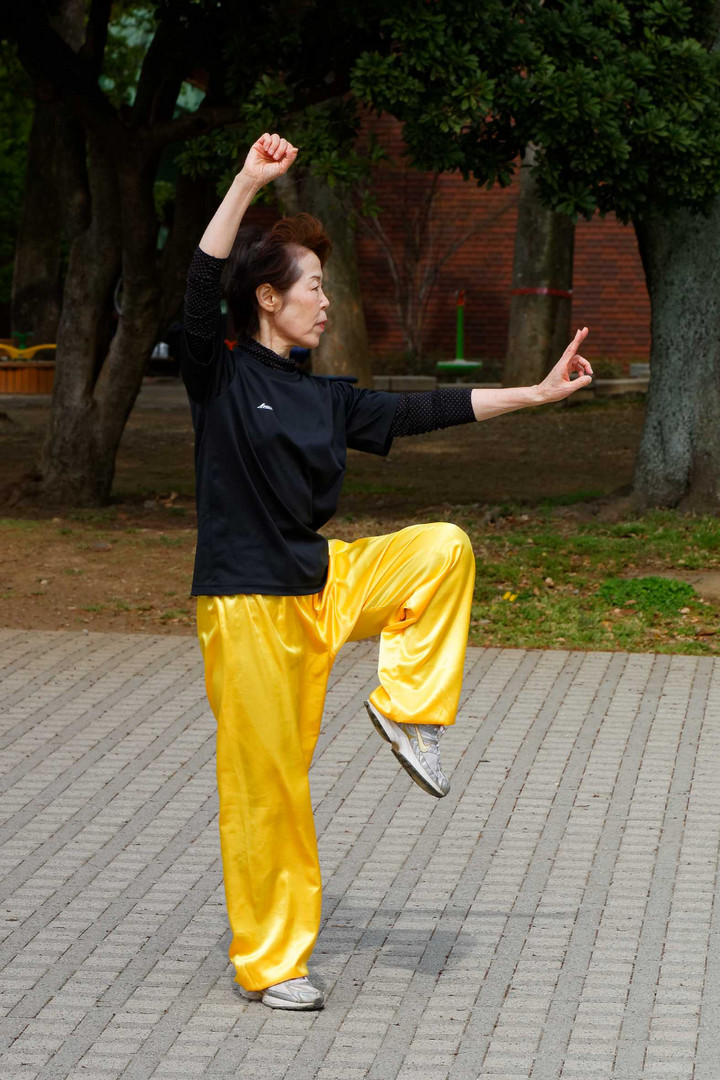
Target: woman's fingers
x=275, y=147
x=273, y=156
x=577, y=340
x=262, y=144
x=268, y=143
x=570, y=354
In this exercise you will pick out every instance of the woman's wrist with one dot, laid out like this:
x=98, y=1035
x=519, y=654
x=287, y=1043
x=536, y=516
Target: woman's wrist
x=246, y=185
x=219, y=236
x=489, y=402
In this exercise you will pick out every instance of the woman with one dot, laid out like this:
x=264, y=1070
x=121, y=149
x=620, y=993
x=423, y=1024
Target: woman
x=275, y=599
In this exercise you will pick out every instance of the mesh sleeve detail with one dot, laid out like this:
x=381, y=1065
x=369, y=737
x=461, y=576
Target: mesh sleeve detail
x=428, y=410
x=202, y=316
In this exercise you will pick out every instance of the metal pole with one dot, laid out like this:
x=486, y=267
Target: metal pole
x=460, y=332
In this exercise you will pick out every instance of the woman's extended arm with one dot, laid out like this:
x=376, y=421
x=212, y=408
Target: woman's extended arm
x=428, y=410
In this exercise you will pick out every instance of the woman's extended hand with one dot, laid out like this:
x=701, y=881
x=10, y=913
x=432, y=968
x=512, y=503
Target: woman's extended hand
x=557, y=383
x=269, y=157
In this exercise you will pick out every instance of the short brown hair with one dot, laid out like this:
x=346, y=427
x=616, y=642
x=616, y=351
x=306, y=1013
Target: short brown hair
x=268, y=255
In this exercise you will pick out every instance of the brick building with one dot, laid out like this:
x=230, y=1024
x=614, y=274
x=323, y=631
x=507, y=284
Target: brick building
x=609, y=293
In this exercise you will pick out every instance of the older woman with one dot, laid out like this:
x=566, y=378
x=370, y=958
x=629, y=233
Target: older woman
x=276, y=600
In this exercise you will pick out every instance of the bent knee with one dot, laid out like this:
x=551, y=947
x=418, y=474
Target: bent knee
x=446, y=534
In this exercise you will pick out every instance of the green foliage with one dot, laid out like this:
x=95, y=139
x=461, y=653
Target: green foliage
x=604, y=368
x=164, y=195
x=326, y=135
x=621, y=99
x=130, y=32
x=648, y=594
x=624, y=102
x=438, y=73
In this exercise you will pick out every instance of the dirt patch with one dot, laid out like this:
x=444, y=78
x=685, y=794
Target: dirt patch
x=128, y=566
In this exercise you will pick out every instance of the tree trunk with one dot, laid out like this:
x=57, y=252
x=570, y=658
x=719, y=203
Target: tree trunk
x=343, y=348
x=75, y=467
x=678, y=463
x=539, y=328
x=36, y=289
x=97, y=377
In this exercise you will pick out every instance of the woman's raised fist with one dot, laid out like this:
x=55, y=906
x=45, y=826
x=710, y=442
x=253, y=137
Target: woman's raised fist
x=269, y=157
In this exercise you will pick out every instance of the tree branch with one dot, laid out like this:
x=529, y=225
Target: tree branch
x=93, y=51
x=200, y=122
x=48, y=58
x=165, y=65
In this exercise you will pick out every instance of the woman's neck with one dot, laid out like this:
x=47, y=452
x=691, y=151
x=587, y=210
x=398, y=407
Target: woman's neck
x=274, y=342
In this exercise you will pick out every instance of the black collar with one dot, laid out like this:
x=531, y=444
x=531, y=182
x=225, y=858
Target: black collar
x=266, y=356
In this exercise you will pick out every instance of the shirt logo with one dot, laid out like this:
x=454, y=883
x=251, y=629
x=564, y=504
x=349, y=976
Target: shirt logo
x=264, y=406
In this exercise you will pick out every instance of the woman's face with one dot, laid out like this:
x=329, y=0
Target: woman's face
x=298, y=317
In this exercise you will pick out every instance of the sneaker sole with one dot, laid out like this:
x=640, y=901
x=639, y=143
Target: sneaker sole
x=297, y=1006
x=407, y=762
x=281, y=1003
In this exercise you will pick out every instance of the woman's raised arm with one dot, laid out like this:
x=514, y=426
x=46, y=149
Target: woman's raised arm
x=269, y=157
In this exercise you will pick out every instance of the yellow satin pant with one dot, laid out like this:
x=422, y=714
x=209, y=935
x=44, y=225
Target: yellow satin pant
x=267, y=661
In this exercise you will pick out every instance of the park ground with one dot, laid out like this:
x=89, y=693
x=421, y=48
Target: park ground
x=562, y=561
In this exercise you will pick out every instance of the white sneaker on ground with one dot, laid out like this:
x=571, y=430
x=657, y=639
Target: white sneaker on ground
x=416, y=746
x=291, y=994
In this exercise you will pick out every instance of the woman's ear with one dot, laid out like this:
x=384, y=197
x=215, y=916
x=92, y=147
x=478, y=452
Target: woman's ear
x=267, y=298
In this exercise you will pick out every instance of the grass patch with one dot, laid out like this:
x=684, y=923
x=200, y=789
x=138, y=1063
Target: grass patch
x=166, y=541
x=174, y=613
x=20, y=524
x=93, y=516
x=563, y=584
x=119, y=604
x=365, y=487
x=650, y=594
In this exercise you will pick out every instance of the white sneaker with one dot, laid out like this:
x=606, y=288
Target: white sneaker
x=291, y=994
x=416, y=746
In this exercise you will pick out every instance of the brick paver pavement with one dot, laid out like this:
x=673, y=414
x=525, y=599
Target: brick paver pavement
x=554, y=917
